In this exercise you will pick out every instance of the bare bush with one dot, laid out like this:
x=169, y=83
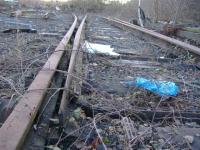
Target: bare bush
x=167, y=10
x=2, y=3
x=84, y=5
x=176, y=10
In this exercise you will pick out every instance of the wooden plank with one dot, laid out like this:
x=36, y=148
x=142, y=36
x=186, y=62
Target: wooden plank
x=77, y=84
x=75, y=51
x=149, y=115
x=181, y=44
x=14, y=130
x=189, y=35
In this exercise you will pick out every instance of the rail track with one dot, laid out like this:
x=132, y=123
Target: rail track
x=77, y=100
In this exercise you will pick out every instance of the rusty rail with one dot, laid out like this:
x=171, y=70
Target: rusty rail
x=73, y=58
x=16, y=127
x=173, y=41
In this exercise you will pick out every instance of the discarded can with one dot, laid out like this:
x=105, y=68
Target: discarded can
x=162, y=88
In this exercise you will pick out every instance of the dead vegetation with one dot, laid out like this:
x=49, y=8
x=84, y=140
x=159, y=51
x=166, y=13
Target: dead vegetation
x=25, y=47
x=105, y=114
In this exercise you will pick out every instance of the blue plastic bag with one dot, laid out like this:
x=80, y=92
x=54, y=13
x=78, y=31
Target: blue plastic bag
x=162, y=88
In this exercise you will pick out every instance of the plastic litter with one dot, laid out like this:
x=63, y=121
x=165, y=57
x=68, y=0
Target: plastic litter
x=162, y=88
x=99, y=48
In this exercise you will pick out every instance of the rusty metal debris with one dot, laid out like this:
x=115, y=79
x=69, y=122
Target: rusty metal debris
x=20, y=31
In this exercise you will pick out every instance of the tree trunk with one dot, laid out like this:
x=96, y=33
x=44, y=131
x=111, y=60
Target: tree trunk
x=155, y=10
x=139, y=14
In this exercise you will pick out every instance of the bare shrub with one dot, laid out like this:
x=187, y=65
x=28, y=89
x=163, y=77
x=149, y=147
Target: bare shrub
x=180, y=10
x=84, y=5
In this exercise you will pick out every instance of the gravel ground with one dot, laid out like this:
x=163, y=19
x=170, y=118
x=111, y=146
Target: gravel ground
x=23, y=54
x=141, y=59
x=105, y=115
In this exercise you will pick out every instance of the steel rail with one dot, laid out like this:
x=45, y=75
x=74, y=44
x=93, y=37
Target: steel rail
x=75, y=51
x=15, y=129
x=173, y=41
